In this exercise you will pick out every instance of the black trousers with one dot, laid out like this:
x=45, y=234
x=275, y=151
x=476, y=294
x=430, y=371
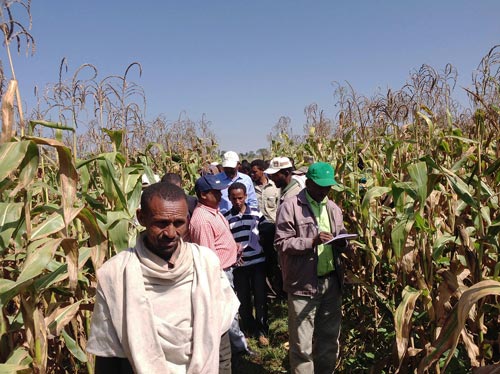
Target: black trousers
x=251, y=289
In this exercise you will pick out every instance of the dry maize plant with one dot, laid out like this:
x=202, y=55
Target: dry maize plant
x=420, y=185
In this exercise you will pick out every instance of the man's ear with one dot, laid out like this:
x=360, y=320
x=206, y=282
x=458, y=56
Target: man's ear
x=140, y=217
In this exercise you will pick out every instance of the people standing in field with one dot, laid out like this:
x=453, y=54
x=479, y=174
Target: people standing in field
x=312, y=272
x=280, y=171
x=230, y=164
x=250, y=271
x=268, y=195
x=209, y=228
x=176, y=179
x=244, y=167
x=163, y=305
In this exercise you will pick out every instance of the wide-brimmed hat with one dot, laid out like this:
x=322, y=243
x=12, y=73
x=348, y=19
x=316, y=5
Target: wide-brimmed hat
x=230, y=159
x=277, y=164
x=210, y=182
x=322, y=174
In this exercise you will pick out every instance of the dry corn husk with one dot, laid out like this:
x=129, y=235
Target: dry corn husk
x=8, y=112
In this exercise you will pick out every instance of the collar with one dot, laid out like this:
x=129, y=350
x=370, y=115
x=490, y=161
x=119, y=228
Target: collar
x=314, y=202
x=247, y=211
x=268, y=181
x=289, y=185
x=211, y=210
x=154, y=258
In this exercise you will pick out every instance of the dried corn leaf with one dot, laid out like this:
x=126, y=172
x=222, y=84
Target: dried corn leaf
x=60, y=317
x=36, y=332
x=67, y=174
x=8, y=112
x=402, y=321
x=472, y=348
x=70, y=247
x=448, y=338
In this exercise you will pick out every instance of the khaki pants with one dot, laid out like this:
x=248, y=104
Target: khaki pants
x=225, y=354
x=314, y=328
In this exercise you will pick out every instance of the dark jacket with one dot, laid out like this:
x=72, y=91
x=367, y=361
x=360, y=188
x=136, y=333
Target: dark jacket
x=296, y=227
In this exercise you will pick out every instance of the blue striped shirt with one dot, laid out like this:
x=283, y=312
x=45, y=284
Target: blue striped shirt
x=245, y=230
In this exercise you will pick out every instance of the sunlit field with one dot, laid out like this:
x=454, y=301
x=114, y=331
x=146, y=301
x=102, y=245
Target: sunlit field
x=419, y=182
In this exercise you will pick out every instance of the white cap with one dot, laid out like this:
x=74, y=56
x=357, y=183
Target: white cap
x=277, y=164
x=230, y=159
x=145, y=179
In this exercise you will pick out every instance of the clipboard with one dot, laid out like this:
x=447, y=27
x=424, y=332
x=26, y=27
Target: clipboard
x=342, y=236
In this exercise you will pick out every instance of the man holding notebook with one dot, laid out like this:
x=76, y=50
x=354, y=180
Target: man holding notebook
x=312, y=271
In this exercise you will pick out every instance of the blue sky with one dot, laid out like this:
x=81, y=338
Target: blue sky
x=244, y=64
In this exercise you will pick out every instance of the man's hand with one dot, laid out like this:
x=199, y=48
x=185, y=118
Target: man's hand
x=322, y=237
x=239, y=255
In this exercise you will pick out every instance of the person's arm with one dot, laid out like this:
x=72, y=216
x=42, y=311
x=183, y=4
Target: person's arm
x=252, y=196
x=287, y=239
x=112, y=365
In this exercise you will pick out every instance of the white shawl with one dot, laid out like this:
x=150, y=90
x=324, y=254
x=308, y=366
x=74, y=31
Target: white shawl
x=123, y=324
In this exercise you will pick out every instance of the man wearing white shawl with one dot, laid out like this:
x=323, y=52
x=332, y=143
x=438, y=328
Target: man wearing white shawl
x=162, y=306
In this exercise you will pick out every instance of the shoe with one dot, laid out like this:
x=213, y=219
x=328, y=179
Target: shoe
x=263, y=341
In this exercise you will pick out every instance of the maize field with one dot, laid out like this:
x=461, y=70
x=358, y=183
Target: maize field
x=419, y=182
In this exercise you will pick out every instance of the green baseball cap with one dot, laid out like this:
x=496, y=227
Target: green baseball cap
x=322, y=174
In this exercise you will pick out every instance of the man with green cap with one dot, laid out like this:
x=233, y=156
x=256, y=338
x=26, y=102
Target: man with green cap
x=312, y=271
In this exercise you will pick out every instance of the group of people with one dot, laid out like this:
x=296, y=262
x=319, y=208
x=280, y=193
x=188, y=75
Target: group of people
x=184, y=298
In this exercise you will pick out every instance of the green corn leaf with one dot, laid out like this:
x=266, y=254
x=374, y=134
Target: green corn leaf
x=39, y=254
x=19, y=357
x=28, y=168
x=116, y=137
x=73, y=347
x=134, y=197
x=54, y=276
x=12, y=155
x=462, y=190
x=132, y=177
x=15, y=369
x=399, y=234
x=118, y=229
x=10, y=215
x=53, y=224
x=370, y=195
x=418, y=173
x=7, y=290
x=92, y=227
x=493, y=168
x=84, y=179
x=440, y=243
x=107, y=174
